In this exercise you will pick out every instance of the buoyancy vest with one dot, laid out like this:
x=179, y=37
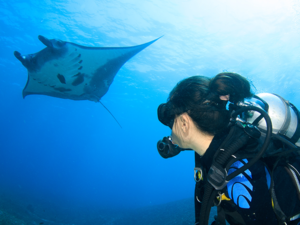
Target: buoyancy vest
x=259, y=193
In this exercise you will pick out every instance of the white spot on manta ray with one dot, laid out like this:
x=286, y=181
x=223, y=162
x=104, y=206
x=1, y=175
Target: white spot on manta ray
x=106, y=83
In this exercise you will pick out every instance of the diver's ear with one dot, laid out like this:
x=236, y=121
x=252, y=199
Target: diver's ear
x=185, y=121
x=224, y=97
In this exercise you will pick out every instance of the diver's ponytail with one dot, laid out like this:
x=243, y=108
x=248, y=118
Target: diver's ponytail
x=232, y=84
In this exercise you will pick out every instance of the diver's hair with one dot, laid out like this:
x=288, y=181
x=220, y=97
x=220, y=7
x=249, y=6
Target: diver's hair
x=199, y=96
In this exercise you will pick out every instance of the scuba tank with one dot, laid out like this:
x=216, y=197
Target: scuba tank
x=283, y=114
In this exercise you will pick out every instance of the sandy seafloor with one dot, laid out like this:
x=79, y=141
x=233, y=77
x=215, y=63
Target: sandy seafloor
x=179, y=212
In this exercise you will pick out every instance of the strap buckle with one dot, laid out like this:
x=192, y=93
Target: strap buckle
x=198, y=174
x=217, y=176
x=219, y=198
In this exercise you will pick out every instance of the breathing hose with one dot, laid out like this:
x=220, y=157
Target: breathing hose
x=266, y=142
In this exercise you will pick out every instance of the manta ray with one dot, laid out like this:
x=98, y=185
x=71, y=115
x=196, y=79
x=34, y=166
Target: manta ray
x=71, y=71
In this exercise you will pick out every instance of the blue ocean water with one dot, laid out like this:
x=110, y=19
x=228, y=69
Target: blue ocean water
x=60, y=155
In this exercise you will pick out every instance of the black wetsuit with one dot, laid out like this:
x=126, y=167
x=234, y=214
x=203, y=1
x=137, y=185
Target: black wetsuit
x=250, y=198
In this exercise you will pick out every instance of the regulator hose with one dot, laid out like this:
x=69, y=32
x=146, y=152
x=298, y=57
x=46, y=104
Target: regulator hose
x=266, y=142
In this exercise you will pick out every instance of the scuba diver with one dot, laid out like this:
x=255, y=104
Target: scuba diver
x=242, y=166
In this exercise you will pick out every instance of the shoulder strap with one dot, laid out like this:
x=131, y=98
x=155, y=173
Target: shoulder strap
x=216, y=177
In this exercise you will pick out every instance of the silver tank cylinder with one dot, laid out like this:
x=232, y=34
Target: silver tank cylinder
x=284, y=119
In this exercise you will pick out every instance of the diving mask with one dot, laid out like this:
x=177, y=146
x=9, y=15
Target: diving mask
x=164, y=115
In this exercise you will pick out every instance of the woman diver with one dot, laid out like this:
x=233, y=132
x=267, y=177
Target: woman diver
x=198, y=115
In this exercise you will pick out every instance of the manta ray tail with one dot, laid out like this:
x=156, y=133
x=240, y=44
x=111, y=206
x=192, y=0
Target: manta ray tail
x=111, y=114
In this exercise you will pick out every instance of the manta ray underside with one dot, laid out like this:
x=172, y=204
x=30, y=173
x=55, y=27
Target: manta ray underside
x=67, y=70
